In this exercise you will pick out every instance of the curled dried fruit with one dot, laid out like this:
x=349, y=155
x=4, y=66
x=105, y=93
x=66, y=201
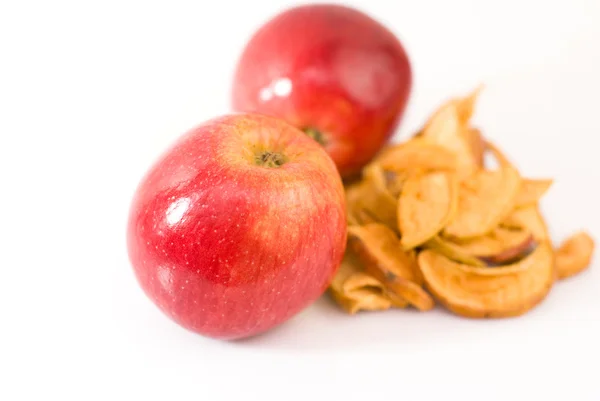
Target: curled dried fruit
x=427, y=203
x=376, y=244
x=375, y=174
x=498, y=241
x=417, y=155
x=355, y=211
x=361, y=299
x=378, y=248
x=432, y=211
x=484, y=200
x=476, y=144
x=444, y=129
x=368, y=202
x=528, y=218
x=489, y=292
x=500, y=157
x=354, y=290
x=395, y=182
x=574, y=255
x=453, y=251
x=531, y=192
x=510, y=255
x=465, y=106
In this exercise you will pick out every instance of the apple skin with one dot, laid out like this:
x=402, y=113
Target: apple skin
x=228, y=248
x=329, y=68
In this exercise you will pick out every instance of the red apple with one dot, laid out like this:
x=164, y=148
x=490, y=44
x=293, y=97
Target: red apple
x=238, y=227
x=332, y=71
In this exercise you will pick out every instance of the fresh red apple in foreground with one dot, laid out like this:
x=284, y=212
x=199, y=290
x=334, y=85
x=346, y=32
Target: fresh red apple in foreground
x=331, y=71
x=238, y=227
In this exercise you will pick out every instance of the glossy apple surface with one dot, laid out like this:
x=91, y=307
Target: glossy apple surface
x=329, y=70
x=238, y=226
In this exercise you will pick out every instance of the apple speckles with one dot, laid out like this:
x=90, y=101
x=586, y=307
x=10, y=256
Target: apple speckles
x=240, y=247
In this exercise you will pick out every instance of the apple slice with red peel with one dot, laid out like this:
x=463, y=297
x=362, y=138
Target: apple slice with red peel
x=452, y=251
x=498, y=241
x=511, y=255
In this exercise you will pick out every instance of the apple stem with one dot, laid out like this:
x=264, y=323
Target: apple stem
x=316, y=135
x=270, y=159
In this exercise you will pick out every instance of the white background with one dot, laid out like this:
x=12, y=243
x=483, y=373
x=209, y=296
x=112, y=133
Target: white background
x=92, y=92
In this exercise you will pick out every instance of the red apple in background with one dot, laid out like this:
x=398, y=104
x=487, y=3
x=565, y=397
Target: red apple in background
x=332, y=71
x=239, y=226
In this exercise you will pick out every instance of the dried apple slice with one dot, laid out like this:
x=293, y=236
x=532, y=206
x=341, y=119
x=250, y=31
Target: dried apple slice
x=376, y=244
x=417, y=154
x=357, y=279
x=375, y=174
x=574, y=255
x=510, y=255
x=427, y=203
x=354, y=290
x=378, y=249
x=489, y=292
x=379, y=208
x=453, y=251
x=499, y=240
x=532, y=191
x=529, y=218
x=395, y=182
x=354, y=194
x=484, y=200
x=476, y=144
x=362, y=299
x=500, y=246
x=465, y=106
x=444, y=129
x=367, y=202
x=500, y=157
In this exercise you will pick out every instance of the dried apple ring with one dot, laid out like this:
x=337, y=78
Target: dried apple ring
x=444, y=129
x=532, y=191
x=453, y=251
x=367, y=204
x=574, y=255
x=427, y=203
x=484, y=200
x=378, y=248
x=417, y=155
x=354, y=290
x=476, y=144
x=498, y=241
x=489, y=292
x=529, y=218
